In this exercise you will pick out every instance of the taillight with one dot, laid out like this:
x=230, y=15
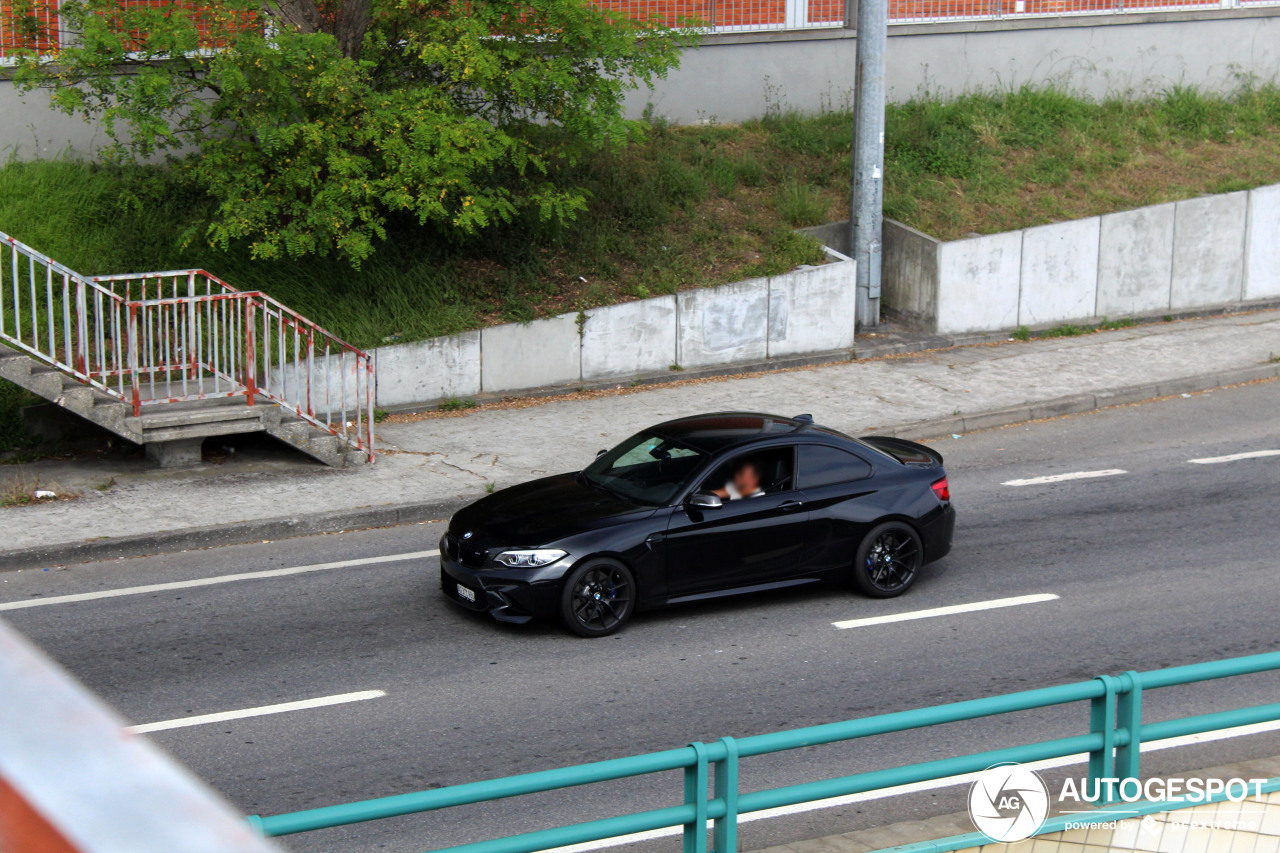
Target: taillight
x=942, y=490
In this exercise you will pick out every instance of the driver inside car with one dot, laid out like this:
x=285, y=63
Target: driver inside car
x=745, y=482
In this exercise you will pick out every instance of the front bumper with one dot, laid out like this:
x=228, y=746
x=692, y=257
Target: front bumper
x=508, y=595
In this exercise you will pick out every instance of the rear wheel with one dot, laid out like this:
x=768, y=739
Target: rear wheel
x=599, y=597
x=888, y=560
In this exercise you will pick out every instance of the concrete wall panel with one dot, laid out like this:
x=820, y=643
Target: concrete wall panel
x=1135, y=262
x=544, y=352
x=909, y=274
x=629, y=339
x=812, y=310
x=333, y=383
x=434, y=369
x=1059, y=272
x=740, y=76
x=1208, y=250
x=724, y=324
x=1262, y=262
x=978, y=283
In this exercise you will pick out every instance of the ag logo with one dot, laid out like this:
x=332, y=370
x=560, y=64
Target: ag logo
x=1008, y=802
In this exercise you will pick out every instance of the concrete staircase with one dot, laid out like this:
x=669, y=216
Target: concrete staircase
x=168, y=359
x=172, y=434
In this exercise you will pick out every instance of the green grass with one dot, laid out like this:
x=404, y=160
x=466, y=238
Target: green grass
x=681, y=207
x=989, y=163
x=13, y=436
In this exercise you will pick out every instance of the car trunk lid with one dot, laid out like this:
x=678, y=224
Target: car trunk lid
x=907, y=452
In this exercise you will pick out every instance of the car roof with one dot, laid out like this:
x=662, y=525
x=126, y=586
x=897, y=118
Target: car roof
x=718, y=431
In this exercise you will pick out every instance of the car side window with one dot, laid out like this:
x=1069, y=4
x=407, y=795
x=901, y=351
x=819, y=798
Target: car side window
x=821, y=465
x=775, y=467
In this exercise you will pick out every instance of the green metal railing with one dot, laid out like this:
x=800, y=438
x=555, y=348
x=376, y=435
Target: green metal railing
x=1113, y=743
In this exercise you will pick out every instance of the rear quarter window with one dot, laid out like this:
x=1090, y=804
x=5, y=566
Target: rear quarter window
x=820, y=465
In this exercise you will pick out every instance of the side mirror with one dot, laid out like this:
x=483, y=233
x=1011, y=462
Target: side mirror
x=705, y=500
x=600, y=453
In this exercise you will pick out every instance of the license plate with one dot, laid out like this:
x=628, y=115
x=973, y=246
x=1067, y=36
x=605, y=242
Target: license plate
x=466, y=593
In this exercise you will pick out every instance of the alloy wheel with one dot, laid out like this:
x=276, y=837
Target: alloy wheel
x=893, y=560
x=601, y=598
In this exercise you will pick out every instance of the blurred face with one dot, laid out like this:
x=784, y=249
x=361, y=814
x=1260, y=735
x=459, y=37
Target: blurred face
x=746, y=479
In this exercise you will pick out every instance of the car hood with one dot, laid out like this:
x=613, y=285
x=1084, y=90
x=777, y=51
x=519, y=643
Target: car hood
x=541, y=512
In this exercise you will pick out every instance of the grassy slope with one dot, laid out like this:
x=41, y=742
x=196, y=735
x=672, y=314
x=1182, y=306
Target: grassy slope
x=684, y=207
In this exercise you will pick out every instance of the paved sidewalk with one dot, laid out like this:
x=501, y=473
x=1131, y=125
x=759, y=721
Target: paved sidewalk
x=435, y=464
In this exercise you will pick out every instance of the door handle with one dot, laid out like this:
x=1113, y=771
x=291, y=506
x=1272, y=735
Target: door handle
x=790, y=506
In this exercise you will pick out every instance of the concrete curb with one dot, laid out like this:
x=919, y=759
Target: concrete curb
x=1078, y=403
x=257, y=530
x=387, y=515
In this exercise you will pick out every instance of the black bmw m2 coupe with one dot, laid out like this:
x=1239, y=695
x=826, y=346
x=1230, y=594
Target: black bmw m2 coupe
x=697, y=508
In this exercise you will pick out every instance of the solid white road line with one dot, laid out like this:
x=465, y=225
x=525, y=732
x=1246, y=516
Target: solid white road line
x=947, y=611
x=916, y=787
x=262, y=711
x=1234, y=457
x=1062, y=478
x=242, y=576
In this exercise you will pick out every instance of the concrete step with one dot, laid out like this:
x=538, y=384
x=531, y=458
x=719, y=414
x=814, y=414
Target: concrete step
x=78, y=398
x=15, y=367
x=203, y=430
x=58, y=388
x=194, y=417
x=325, y=444
x=318, y=443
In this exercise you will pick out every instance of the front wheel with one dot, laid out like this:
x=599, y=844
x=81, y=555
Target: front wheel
x=888, y=560
x=599, y=597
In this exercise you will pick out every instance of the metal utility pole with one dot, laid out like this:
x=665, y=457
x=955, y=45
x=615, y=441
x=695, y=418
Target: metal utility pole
x=866, y=215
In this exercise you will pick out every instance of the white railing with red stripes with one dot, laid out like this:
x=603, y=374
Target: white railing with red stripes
x=182, y=335
x=55, y=315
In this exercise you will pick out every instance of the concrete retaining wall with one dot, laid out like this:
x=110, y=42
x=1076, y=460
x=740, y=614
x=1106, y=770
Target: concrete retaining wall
x=809, y=310
x=740, y=76
x=1262, y=253
x=1197, y=253
x=734, y=77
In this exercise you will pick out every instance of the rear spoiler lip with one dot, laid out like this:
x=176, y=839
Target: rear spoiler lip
x=886, y=444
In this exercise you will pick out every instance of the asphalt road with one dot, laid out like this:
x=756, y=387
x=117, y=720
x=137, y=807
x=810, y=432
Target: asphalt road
x=1169, y=562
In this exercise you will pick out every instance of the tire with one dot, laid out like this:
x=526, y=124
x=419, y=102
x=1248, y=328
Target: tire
x=888, y=560
x=598, y=598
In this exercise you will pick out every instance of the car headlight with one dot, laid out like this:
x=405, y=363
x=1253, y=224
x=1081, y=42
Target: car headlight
x=529, y=559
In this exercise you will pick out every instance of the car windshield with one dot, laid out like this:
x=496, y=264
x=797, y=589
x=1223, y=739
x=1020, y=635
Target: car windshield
x=648, y=468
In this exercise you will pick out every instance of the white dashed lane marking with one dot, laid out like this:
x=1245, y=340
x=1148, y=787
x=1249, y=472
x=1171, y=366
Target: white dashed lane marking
x=1062, y=478
x=947, y=611
x=1234, y=457
x=260, y=711
x=218, y=579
